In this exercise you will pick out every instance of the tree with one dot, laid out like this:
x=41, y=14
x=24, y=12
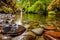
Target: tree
x=39, y=6
x=9, y=6
x=54, y=4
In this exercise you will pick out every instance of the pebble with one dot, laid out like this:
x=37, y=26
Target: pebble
x=27, y=35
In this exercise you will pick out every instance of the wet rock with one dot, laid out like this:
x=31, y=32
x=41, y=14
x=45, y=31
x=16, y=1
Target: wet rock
x=49, y=27
x=0, y=28
x=20, y=29
x=38, y=31
x=53, y=33
x=35, y=24
x=29, y=36
x=48, y=37
x=13, y=31
x=58, y=28
x=30, y=33
x=27, y=26
x=9, y=26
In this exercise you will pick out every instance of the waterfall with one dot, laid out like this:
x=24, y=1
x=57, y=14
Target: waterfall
x=19, y=21
x=21, y=17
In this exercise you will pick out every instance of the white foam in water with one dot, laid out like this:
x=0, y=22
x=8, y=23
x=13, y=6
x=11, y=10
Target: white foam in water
x=4, y=37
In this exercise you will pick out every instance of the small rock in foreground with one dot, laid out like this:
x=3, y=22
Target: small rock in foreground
x=38, y=31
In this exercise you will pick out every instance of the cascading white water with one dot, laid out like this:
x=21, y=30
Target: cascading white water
x=21, y=17
x=19, y=21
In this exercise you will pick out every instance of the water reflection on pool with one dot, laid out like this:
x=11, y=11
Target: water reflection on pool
x=36, y=18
